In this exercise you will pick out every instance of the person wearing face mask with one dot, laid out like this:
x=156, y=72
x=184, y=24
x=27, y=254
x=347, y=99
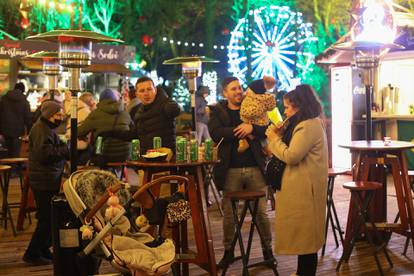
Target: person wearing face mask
x=47, y=155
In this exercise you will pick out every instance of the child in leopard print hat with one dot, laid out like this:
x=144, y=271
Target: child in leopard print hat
x=256, y=104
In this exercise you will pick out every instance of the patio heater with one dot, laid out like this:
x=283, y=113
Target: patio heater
x=191, y=69
x=51, y=68
x=75, y=52
x=372, y=34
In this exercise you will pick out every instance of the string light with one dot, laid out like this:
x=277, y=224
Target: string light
x=192, y=44
x=56, y=5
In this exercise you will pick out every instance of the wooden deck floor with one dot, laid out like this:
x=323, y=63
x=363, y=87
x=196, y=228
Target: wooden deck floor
x=361, y=261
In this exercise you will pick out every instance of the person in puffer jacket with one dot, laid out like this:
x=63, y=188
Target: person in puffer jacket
x=108, y=116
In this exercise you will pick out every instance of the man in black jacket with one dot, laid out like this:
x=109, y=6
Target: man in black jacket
x=238, y=170
x=15, y=118
x=47, y=154
x=155, y=117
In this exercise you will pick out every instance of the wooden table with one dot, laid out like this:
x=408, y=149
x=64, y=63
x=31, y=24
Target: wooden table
x=375, y=153
x=204, y=257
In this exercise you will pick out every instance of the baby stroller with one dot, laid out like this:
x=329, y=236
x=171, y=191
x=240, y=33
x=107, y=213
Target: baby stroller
x=100, y=200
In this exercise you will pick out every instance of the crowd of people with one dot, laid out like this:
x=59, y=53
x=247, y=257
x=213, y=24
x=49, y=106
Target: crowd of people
x=300, y=143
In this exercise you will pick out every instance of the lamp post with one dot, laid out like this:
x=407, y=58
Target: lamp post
x=372, y=32
x=75, y=52
x=51, y=68
x=191, y=69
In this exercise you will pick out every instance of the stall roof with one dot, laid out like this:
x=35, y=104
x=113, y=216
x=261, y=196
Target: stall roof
x=37, y=65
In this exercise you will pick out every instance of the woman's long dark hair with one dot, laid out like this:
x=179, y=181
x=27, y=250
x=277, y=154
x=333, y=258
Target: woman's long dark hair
x=305, y=100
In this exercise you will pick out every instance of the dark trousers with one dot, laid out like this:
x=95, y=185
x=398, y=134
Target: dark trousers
x=42, y=236
x=307, y=264
x=13, y=146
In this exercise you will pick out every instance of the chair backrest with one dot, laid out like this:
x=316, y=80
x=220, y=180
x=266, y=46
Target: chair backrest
x=146, y=193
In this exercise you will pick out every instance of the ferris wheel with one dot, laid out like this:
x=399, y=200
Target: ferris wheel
x=279, y=43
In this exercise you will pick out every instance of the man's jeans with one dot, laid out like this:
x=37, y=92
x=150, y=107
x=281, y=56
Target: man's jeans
x=237, y=179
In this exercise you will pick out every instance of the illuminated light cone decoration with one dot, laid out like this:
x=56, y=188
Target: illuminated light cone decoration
x=373, y=31
x=75, y=52
x=191, y=69
x=51, y=68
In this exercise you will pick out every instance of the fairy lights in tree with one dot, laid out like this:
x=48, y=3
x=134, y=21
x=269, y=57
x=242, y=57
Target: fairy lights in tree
x=181, y=94
x=209, y=79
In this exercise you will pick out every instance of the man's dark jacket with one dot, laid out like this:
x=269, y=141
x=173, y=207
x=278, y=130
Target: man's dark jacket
x=219, y=127
x=47, y=156
x=14, y=114
x=154, y=119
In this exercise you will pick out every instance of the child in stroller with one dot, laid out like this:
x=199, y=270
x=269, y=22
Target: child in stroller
x=100, y=199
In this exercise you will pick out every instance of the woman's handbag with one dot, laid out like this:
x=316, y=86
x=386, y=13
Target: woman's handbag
x=274, y=172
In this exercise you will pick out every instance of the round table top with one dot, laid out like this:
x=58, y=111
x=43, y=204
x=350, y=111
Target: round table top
x=376, y=145
x=337, y=171
x=13, y=160
x=4, y=167
x=148, y=164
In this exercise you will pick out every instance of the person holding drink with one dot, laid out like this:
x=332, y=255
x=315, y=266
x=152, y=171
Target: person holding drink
x=300, y=141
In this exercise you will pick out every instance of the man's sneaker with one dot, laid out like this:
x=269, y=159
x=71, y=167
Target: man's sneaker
x=36, y=260
x=228, y=259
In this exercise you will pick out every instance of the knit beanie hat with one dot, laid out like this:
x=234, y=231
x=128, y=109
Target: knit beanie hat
x=262, y=85
x=50, y=108
x=20, y=86
x=108, y=94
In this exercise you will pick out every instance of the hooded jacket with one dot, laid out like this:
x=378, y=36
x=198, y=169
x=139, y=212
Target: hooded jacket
x=15, y=114
x=109, y=116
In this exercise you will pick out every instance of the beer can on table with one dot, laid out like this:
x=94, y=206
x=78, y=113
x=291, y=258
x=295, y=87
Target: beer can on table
x=193, y=150
x=180, y=149
x=208, y=149
x=135, y=149
x=99, y=145
x=156, y=142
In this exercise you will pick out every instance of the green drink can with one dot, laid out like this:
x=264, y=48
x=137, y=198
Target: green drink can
x=156, y=142
x=180, y=149
x=193, y=150
x=208, y=149
x=135, y=149
x=99, y=145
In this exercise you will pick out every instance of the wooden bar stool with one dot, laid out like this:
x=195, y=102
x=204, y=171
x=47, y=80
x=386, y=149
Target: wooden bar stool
x=5, y=207
x=411, y=178
x=19, y=164
x=250, y=198
x=332, y=216
x=361, y=194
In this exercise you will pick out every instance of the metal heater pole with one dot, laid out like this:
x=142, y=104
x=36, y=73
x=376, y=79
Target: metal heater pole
x=74, y=89
x=368, y=117
x=192, y=84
